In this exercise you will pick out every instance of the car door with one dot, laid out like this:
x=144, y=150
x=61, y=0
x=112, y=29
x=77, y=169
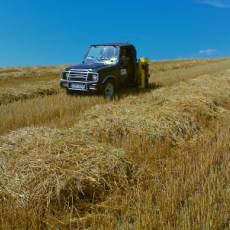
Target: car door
x=127, y=66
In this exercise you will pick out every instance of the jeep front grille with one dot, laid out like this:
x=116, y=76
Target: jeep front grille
x=77, y=79
x=77, y=75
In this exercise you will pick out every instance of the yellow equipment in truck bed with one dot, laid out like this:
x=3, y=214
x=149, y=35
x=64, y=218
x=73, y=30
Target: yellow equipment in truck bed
x=143, y=70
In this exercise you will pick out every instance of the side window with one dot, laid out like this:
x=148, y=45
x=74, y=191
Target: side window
x=127, y=53
x=123, y=52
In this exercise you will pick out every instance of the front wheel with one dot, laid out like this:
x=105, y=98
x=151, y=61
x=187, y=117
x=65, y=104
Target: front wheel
x=109, y=90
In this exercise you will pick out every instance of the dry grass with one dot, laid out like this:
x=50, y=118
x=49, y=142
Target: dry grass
x=54, y=111
x=26, y=83
x=157, y=160
x=27, y=91
x=172, y=114
x=170, y=72
x=181, y=188
x=28, y=72
x=48, y=171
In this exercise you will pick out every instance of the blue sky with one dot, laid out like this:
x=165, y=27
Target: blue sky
x=49, y=32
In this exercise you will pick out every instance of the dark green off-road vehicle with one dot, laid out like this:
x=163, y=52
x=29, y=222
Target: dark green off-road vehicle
x=106, y=69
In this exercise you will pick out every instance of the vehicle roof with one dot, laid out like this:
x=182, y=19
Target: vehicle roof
x=113, y=44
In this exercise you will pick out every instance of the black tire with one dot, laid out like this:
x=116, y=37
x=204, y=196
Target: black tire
x=109, y=90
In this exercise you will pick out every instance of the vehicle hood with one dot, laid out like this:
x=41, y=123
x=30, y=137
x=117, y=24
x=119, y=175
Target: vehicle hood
x=94, y=66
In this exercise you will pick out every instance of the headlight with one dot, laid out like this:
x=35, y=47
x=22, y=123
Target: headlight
x=93, y=77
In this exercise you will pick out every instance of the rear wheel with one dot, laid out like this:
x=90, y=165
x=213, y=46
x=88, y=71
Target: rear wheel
x=109, y=90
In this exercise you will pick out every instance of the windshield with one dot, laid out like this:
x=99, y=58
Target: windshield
x=102, y=54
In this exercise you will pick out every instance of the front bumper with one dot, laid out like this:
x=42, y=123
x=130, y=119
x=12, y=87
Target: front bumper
x=80, y=86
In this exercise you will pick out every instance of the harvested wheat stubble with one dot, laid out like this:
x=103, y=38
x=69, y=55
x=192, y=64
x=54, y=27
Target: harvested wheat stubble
x=19, y=72
x=173, y=114
x=28, y=91
x=49, y=170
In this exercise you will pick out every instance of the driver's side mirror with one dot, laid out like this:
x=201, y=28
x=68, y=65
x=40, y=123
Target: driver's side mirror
x=124, y=60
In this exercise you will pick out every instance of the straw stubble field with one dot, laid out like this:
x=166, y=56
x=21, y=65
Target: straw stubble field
x=157, y=159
